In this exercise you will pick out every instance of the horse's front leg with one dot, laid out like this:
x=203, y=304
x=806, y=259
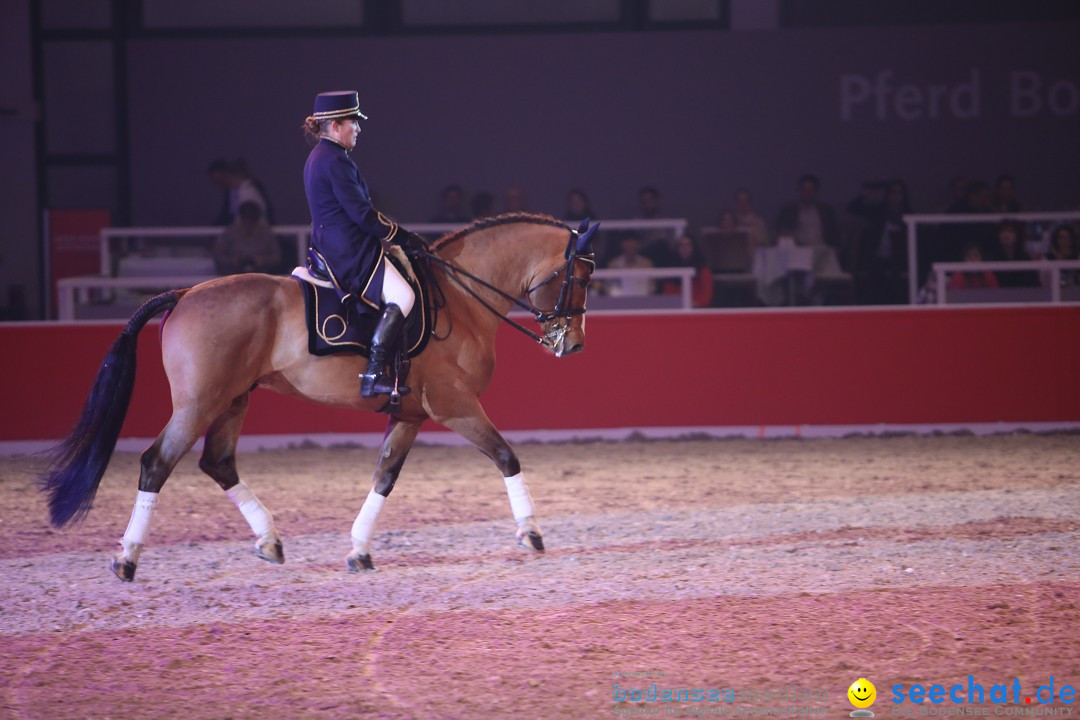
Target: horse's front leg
x=477, y=429
x=398, y=441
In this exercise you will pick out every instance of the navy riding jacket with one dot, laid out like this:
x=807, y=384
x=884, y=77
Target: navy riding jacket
x=346, y=231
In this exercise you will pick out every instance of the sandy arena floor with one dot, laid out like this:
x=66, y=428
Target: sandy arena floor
x=754, y=565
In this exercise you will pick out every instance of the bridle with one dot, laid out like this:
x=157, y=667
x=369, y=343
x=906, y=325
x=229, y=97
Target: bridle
x=560, y=311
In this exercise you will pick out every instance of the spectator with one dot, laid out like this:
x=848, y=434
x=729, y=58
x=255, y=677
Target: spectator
x=1063, y=243
x=514, y=200
x=1009, y=247
x=881, y=253
x=815, y=226
x=814, y=221
x=483, y=205
x=976, y=279
x=688, y=254
x=977, y=198
x=729, y=222
x=247, y=245
x=238, y=187
x=957, y=188
x=578, y=206
x=1005, y=200
x=219, y=175
x=630, y=259
x=452, y=206
x=748, y=221
x=1063, y=246
x=649, y=203
x=656, y=243
x=953, y=238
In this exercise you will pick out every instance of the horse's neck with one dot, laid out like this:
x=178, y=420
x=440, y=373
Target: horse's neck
x=508, y=259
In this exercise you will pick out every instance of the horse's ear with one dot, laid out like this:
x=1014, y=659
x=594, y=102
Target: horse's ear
x=583, y=226
x=584, y=241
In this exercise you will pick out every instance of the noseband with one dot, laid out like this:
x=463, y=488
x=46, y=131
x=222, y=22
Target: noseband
x=560, y=311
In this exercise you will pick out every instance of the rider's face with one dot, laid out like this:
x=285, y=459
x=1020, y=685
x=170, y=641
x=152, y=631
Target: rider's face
x=346, y=132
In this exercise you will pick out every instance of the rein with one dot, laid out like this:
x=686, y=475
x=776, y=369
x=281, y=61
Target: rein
x=559, y=311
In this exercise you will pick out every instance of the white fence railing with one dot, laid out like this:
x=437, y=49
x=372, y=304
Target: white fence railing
x=179, y=236
x=913, y=221
x=76, y=290
x=176, y=247
x=1051, y=268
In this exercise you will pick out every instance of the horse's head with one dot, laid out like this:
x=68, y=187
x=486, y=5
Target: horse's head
x=564, y=291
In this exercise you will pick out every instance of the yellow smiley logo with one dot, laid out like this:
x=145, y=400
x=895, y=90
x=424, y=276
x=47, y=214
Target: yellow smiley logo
x=862, y=693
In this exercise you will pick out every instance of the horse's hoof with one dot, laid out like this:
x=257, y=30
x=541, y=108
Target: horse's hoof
x=271, y=552
x=360, y=563
x=123, y=569
x=532, y=540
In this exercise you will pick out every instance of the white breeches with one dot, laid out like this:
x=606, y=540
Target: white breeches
x=395, y=289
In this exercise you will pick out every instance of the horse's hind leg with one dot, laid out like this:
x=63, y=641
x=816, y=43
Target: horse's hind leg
x=395, y=448
x=477, y=429
x=219, y=462
x=157, y=464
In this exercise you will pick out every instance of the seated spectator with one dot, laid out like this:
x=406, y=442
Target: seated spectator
x=881, y=253
x=649, y=203
x=452, y=206
x=1009, y=247
x=748, y=221
x=1005, y=200
x=238, y=187
x=578, y=206
x=656, y=243
x=954, y=237
x=957, y=188
x=483, y=205
x=514, y=200
x=1063, y=246
x=1063, y=243
x=814, y=221
x=816, y=226
x=688, y=254
x=248, y=245
x=630, y=259
x=976, y=279
x=729, y=223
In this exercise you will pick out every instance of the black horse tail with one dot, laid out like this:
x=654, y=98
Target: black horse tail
x=78, y=463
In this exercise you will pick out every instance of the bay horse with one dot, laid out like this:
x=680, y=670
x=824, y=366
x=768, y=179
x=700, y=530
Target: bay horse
x=225, y=337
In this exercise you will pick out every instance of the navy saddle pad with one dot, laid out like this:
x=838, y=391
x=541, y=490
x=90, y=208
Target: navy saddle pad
x=332, y=329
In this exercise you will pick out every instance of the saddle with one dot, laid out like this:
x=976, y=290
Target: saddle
x=335, y=328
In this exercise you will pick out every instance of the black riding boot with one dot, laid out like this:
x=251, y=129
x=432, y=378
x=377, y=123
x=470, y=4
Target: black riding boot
x=374, y=381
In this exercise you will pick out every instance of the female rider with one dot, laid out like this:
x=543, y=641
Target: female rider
x=348, y=234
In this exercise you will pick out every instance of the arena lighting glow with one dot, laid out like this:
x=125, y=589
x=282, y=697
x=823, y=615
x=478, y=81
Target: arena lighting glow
x=975, y=692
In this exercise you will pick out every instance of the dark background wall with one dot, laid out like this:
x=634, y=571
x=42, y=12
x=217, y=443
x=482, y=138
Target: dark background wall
x=694, y=113
x=120, y=104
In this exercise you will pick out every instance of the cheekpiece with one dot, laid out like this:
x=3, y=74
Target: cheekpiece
x=337, y=105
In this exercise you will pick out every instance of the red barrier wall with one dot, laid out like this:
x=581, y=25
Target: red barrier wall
x=694, y=369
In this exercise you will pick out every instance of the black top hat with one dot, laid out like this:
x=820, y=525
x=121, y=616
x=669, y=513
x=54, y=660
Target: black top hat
x=337, y=105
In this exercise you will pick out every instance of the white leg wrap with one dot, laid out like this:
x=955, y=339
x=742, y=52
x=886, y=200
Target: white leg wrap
x=364, y=525
x=521, y=503
x=256, y=514
x=138, y=529
x=395, y=289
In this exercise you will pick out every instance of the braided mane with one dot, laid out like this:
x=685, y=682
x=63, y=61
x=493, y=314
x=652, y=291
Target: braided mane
x=490, y=222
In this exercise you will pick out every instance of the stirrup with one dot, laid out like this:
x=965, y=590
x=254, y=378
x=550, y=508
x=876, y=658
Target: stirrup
x=380, y=384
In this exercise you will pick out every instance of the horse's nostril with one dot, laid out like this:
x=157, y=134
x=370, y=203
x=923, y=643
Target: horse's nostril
x=575, y=348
